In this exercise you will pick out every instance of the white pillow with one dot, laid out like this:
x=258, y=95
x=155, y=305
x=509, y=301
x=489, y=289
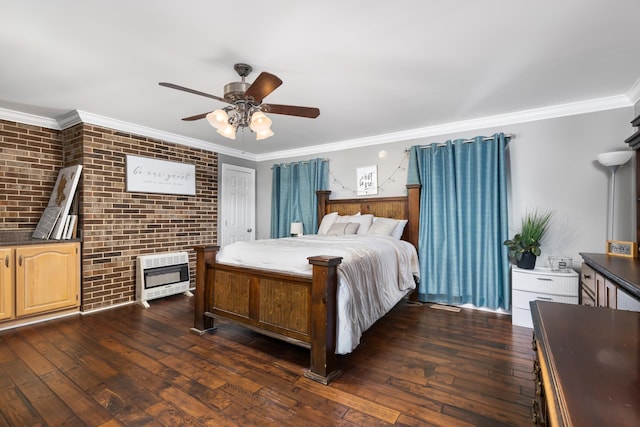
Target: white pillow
x=397, y=232
x=383, y=226
x=342, y=228
x=388, y=226
x=327, y=221
x=364, y=221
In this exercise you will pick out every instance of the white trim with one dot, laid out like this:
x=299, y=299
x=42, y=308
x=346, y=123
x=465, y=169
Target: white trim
x=581, y=107
x=29, y=119
x=38, y=320
x=109, y=307
x=561, y=110
x=634, y=92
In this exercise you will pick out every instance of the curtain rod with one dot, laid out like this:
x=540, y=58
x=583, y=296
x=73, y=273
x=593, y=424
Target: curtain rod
x=465, y=141
x=284, y=165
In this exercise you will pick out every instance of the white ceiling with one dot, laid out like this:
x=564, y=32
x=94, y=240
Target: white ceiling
x=372, y=67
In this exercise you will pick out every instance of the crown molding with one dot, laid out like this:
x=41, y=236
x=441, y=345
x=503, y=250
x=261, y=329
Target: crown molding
x=75, y=117
x=634, y=92
x=29, y=119
x=554, y=111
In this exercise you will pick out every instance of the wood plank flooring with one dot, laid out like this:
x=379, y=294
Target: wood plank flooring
x=131, y=366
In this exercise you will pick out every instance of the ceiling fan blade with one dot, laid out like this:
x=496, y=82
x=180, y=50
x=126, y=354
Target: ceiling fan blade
x=196, y=117
x=291, y=110
x=193, y=91
x=262, y=86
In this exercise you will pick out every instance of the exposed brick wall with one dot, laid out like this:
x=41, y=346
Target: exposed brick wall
x=30, y=158
x=117, y=226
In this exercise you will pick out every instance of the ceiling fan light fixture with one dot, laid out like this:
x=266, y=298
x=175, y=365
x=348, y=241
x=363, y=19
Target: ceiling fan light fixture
x=260, y=122
x=264, y=134
x=227, y=131
x=218, y=118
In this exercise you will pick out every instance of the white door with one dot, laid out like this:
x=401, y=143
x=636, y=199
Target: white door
x=237, y=208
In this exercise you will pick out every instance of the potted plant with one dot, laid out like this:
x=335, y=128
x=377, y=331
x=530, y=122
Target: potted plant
x=525, y=245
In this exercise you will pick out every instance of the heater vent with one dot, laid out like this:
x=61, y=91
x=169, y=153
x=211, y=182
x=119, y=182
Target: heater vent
x=161, y=275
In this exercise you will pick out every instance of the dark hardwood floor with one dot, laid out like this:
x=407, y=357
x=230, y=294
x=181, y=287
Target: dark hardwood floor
x=131, y=366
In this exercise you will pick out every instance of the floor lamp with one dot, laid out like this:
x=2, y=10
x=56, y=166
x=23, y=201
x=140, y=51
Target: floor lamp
x=613, y=160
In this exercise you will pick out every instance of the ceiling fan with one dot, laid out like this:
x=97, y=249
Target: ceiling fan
x=245, y=107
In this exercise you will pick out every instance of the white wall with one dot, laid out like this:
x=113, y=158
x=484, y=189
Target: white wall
x=552, y=166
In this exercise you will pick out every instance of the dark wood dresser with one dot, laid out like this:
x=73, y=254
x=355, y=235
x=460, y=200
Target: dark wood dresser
x=587, y=367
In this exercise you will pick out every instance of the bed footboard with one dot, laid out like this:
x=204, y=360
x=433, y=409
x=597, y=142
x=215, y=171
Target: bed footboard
x=299, y=309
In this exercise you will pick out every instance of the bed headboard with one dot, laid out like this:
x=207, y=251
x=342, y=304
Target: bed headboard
x=399, y=207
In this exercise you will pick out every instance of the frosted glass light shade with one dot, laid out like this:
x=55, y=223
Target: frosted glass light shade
x=264, y=134
x=614, y=158
x=296, y=228
x=260, y=122
x=227, y=131
x=218, y=118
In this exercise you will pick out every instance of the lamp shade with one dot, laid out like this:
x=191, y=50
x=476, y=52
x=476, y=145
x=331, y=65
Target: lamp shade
x=264, y=134
x=259, y=122
x=614, y=158
x=296, y=228
x=227, y=131
x=218, y=118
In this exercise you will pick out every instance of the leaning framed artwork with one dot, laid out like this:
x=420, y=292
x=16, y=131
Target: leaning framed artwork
x=367, y=180
x=147, y=175
x=620, y=248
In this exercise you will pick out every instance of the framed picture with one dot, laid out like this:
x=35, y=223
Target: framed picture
x=147, y=175
x=619, y=248
x=367, y=180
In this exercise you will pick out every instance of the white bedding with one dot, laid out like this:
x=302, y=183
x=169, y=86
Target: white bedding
x=376, y=272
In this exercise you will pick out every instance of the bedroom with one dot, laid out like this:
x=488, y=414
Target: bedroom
x=545, y=142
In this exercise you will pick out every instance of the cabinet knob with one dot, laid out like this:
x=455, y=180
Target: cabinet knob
x=6, y=261
x=20, y=260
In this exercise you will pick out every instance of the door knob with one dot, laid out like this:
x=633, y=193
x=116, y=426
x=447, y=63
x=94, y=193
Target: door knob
x=249, y=230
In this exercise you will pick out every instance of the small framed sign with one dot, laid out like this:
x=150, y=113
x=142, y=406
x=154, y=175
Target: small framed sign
x=619, y=248
x=367, y=180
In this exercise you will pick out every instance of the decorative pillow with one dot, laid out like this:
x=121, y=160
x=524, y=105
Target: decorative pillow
x=388, y=227
x=364, y=221
x=327, y=221
x=342, y=228
x=383, y=226
x=397, y=232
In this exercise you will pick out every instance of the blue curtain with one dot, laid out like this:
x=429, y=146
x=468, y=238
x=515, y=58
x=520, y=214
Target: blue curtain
x=293, y=195
x=463, y=221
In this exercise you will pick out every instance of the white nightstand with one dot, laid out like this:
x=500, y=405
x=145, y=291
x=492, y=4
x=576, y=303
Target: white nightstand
x=542, y=284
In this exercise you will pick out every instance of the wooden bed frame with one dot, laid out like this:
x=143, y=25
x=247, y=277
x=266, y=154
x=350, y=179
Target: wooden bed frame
x=295, y=308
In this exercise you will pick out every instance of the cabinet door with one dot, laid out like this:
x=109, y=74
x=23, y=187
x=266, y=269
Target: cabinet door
x=47, y=277
x=6, y=283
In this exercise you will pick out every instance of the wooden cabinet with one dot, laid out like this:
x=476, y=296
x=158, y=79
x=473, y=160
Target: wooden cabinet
x=540, y=284
x=586, y=368
x=39, y=279
x=47, y=277
x=6, y=284
x=607, y=292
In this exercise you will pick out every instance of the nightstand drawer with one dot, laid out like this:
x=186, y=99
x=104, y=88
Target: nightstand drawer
x=521, y=299
x=546, y=283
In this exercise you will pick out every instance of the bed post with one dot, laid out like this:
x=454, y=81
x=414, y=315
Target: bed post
x=324, y=319
x=323, y=197
x=413, y=214
x=204, y=255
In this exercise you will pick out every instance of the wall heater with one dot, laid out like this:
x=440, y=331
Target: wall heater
x=161, y=275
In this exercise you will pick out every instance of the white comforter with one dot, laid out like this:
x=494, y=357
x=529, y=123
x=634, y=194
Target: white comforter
x=376, y=272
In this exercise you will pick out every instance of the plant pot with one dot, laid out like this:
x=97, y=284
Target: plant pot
x=528, y=261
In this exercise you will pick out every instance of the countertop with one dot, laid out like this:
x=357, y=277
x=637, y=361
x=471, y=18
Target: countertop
x=20, y=238
x=592, y=355
x=625, y=272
